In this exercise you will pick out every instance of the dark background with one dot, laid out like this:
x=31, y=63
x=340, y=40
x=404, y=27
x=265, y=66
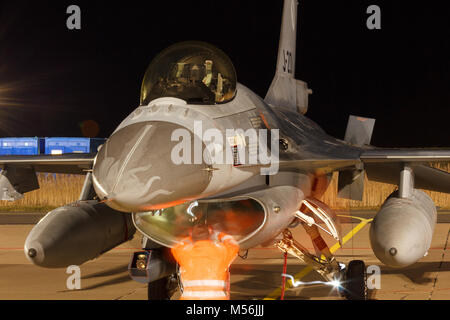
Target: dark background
x=53, y=79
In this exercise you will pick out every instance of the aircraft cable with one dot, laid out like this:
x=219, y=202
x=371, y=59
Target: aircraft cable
x=283, y=283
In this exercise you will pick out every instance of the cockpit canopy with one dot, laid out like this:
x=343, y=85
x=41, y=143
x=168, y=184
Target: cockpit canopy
x=196, y=72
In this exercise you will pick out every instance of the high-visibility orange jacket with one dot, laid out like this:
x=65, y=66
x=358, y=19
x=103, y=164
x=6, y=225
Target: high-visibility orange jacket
x=204, y=267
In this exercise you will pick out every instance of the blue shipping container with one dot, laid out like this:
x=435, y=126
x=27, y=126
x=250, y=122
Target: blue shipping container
x=20, y=146
x=72, y=145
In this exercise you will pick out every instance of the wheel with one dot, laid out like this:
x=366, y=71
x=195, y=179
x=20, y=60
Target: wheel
x=356, y=281
x=158, y=290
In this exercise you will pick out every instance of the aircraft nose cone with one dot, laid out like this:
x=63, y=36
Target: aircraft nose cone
x=136, y=171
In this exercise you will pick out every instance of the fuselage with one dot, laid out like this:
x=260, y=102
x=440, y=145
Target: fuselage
x=135, y=170
x=142, y=167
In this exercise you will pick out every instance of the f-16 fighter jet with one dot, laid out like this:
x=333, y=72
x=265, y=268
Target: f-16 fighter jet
x=203, y=149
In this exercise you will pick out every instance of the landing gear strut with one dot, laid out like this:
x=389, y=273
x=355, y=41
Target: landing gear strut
x=162, y=289
x=327, y=267
x=353, y=279
x=154, y=268
x=157, y=290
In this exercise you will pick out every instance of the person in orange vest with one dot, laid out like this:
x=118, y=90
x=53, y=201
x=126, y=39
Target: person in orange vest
x=204, y=260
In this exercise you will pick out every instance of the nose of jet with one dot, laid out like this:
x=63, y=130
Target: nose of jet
x=138, y=168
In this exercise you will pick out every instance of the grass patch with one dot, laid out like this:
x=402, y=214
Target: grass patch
x=60, y=189
x=375, y=193
x=55, y=191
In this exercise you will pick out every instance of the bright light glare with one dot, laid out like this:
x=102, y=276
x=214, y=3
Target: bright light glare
x=9, y=93
x=189, y=210
x=334, y=283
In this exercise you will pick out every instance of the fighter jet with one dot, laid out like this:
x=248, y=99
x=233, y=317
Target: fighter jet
x=203, y=148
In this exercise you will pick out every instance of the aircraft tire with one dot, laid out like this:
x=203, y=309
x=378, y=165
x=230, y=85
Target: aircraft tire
x=158, y=289
x=356, y=281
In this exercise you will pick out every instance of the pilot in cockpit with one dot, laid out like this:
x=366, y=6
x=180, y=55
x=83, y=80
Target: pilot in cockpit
x=195, y=72
x=193, y=81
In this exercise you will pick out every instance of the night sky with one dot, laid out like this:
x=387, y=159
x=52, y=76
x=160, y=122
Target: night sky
x=52, y=79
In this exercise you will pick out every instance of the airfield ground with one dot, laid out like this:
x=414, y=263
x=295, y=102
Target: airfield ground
x=256, y=277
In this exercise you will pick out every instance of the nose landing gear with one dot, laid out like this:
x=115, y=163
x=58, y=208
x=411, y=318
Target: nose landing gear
x=153, y=268
x=350, y=281
x=162, y=289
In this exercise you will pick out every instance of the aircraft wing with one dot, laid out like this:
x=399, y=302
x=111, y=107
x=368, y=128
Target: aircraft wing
x=319, y=166
x=384, y=165
x=65, y=163
x=379, y=155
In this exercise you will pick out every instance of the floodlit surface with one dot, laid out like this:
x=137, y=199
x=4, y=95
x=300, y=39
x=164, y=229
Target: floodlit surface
x=257, y=277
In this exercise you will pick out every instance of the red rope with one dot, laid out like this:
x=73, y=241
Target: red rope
x=283, y=285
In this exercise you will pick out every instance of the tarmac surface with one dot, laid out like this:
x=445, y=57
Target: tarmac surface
x=254, y=278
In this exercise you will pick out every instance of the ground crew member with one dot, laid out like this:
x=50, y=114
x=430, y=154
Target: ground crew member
x=204, y=260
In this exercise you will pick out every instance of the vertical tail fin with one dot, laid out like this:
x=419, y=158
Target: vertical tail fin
x=288, y=39
x=285, y=90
